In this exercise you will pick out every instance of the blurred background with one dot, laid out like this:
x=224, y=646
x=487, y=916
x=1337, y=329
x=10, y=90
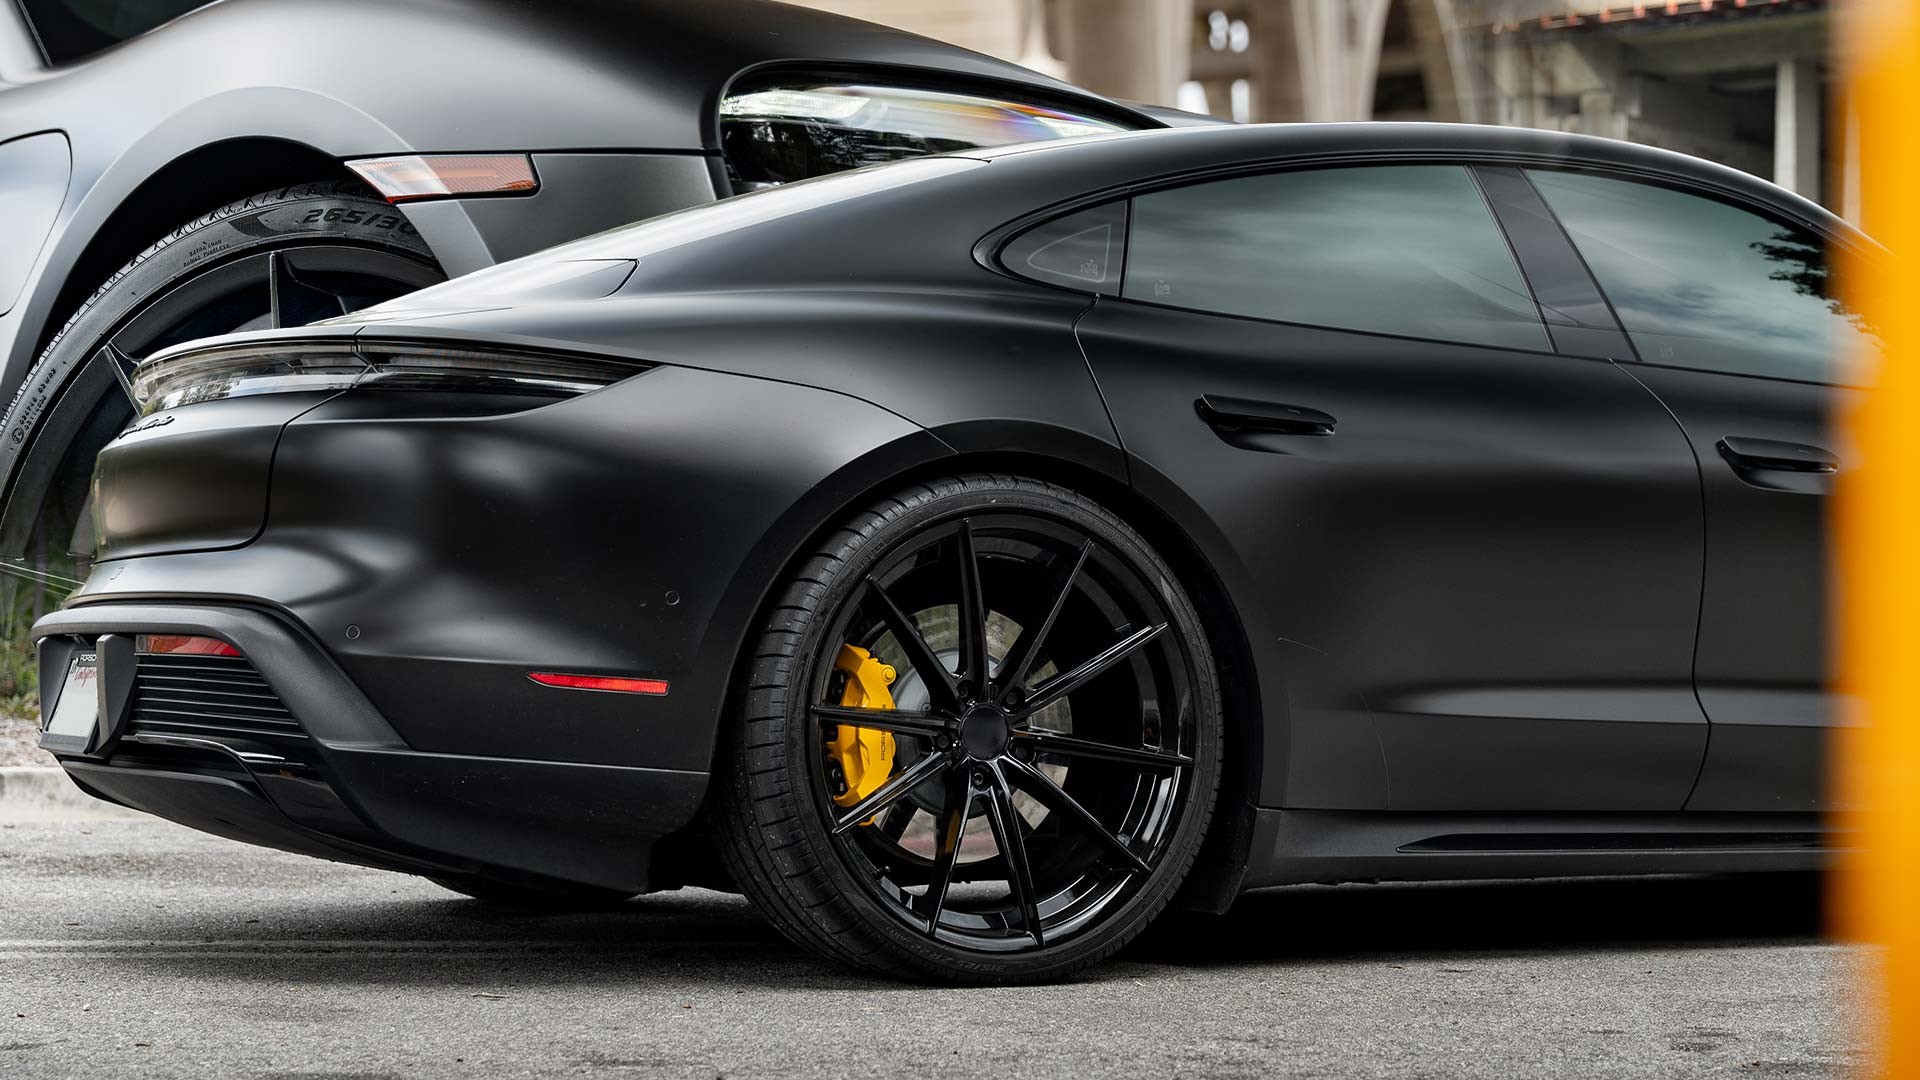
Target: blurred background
x=1748, y=83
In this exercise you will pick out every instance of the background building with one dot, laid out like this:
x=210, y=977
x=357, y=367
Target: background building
x=1745, y=82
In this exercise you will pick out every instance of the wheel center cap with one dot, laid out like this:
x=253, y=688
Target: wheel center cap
x=984, y=733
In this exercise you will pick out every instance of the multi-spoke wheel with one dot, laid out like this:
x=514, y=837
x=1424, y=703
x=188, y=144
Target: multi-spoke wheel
x=981, y=740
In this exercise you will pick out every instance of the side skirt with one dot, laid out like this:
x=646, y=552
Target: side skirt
x=1296, y=847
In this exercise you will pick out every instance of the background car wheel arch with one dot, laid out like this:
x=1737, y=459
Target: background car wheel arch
x=61, y=396
x=191, y=162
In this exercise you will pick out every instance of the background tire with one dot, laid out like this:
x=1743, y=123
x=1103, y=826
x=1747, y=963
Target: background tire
x=344, y=248
x=778, y=837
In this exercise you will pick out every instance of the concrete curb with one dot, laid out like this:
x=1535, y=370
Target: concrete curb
x=44, y=793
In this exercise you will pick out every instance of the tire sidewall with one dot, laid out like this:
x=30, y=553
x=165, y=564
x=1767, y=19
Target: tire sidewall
x=337, y=213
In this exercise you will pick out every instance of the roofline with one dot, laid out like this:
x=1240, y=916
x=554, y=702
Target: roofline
x=1213, y=147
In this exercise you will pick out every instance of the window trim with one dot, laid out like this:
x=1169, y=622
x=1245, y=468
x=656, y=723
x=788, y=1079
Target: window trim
x=1550, y=256
x=986, y=250
x=983, y=250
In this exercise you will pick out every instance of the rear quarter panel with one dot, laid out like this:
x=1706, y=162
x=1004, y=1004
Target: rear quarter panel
x=634, y=531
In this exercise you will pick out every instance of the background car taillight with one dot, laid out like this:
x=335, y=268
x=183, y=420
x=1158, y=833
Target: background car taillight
x=414, y=177
x=780, y=134
x=187, y=376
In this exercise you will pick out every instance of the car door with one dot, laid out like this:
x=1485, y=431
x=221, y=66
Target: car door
x=1481, y=558
x=1739, y=331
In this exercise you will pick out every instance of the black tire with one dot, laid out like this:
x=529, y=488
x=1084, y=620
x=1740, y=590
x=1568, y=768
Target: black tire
x=545, y=897
x=212, y=270
x=776, y=835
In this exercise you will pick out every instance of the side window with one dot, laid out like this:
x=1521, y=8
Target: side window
x=1404, y=249
x=1701, y=284
x=1080, y=251
x=72, y=29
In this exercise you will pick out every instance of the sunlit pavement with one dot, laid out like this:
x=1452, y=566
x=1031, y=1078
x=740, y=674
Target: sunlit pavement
x=135, y=948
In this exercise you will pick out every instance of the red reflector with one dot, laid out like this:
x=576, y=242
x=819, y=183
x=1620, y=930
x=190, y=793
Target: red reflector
x=180, y=644
x=656, y=687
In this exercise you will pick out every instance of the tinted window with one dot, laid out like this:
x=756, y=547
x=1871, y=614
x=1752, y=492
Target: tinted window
x=71, y=29
x=1702, y=284
x=1079, y=251
x=1406, y=250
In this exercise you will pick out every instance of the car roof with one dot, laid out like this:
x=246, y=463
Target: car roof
x=1138, y=155
x=921, y=223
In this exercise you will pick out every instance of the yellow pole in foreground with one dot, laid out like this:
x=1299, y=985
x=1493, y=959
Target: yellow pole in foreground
x=1878, y=536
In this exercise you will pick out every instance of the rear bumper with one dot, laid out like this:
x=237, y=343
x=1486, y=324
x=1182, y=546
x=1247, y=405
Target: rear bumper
x=347, y=787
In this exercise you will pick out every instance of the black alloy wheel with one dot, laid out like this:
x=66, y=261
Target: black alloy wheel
x=1054, y=737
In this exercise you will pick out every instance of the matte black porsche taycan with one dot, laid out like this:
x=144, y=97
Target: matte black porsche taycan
x=968, y=557
x=172, y=169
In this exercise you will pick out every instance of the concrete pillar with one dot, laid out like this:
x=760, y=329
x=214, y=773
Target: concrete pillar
x=1796, y=127
x=1279, y=96
x=1035, y=42
x=1340, y=55
x=1850, y=202
x=1134, y=50
x=1449, y=54
x=1434, y=45
x=1318, y=59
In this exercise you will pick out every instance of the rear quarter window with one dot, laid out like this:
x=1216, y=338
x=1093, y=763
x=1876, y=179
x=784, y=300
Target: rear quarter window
x=1079, y=251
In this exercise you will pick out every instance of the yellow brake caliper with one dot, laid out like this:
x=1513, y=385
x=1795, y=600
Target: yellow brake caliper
x=865, y=755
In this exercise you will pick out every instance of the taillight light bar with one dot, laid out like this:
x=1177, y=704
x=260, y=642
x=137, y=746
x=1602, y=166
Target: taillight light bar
x=607, y=683
x=182, y=645
x=195, y=373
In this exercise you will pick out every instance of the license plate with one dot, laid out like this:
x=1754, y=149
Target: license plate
x=76, y=712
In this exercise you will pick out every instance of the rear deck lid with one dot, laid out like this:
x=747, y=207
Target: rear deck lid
x=192, y=478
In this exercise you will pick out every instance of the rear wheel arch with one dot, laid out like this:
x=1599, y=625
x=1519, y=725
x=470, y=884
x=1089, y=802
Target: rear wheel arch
x=1228, y=843
x=835, y=893
x=1216, y=876
x=183, y=189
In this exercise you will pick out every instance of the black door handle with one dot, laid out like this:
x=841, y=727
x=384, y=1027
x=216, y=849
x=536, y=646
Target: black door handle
x=1228, y=415
x=1776, y=456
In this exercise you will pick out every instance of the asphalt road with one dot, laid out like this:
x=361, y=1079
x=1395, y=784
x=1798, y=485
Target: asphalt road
x=138, y=949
